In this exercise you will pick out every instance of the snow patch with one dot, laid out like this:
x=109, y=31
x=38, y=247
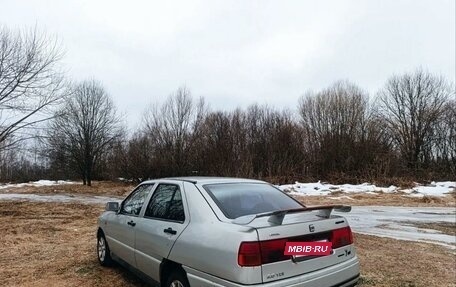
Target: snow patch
x=341, y=197
x=322, y=188
x=433, y=189
x=38, y=183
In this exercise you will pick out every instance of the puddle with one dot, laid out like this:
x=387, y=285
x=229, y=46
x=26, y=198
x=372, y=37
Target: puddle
x=394, y=222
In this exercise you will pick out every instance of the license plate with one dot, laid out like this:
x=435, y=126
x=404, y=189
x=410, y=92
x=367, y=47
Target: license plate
x=312, y=247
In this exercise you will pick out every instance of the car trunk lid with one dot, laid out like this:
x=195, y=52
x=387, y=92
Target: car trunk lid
x=309, y=224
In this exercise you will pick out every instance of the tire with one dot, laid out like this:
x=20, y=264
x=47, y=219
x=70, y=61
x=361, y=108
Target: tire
x=103, y=252
x=177, y=279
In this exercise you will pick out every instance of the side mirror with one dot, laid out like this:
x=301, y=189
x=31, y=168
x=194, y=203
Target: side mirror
x=112, y=206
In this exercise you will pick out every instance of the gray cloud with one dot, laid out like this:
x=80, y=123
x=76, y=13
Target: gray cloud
x=235, y=53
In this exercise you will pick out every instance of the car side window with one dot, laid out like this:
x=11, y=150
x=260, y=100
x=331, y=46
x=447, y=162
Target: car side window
x=166, y=203
x=133, y=204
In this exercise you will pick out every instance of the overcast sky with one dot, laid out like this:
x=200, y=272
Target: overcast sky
x=235, y=53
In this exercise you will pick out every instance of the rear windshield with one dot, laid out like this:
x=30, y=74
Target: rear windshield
x=239, y=199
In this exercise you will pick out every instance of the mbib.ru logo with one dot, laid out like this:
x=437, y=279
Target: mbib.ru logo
x=316, y=248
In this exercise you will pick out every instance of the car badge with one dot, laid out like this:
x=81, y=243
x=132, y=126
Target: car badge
x=311, y=228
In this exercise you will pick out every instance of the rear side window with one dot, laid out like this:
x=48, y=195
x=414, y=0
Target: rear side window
x=239, y=199
x=166, y=203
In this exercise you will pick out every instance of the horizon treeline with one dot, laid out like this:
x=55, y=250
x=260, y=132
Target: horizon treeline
x=337, y=134
x=55, y=130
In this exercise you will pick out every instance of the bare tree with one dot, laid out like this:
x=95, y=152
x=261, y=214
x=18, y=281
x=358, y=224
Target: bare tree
x=140, y=157
x=30, y=83
x=411, y=105
x=338, y=110
x=171, y=127
x=334, y=121
x=273, y=143
x=216, y=147
x=443, y=148
x=84, y=128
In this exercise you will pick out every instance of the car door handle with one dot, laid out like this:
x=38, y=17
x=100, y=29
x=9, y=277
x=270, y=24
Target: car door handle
x=170, y=231
x=131, y=222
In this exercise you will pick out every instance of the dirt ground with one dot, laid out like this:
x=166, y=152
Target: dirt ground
x=53, y=244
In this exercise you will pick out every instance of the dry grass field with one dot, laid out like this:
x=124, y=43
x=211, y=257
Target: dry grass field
x=53, y=244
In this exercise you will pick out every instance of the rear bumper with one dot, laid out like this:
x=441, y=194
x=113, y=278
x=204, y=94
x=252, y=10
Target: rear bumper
x=341, y=275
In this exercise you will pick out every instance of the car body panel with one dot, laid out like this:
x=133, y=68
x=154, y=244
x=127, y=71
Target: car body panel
x=209, y=244
x=120, y=236
x=299, y=225
x=152, y=243
x=340, y=275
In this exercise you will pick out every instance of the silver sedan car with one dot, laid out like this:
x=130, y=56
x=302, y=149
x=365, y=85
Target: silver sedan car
x=207, y=231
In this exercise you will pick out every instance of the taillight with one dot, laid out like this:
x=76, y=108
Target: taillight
x=258, y=253
x=272, y=251
x=249, y=254
x=341, y=237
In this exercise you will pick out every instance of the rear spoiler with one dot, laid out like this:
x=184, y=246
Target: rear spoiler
x=276, y=217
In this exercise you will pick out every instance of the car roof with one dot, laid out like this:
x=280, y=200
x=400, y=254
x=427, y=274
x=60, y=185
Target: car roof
x=208, y=179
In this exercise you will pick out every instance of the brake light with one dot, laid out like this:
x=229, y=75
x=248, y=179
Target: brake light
x=272, y=251
x=341, y=237
x=249, y=254
x=258, y=253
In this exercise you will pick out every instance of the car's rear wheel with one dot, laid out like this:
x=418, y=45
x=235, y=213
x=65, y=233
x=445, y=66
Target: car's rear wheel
x=177, y=279
x=103, y=252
